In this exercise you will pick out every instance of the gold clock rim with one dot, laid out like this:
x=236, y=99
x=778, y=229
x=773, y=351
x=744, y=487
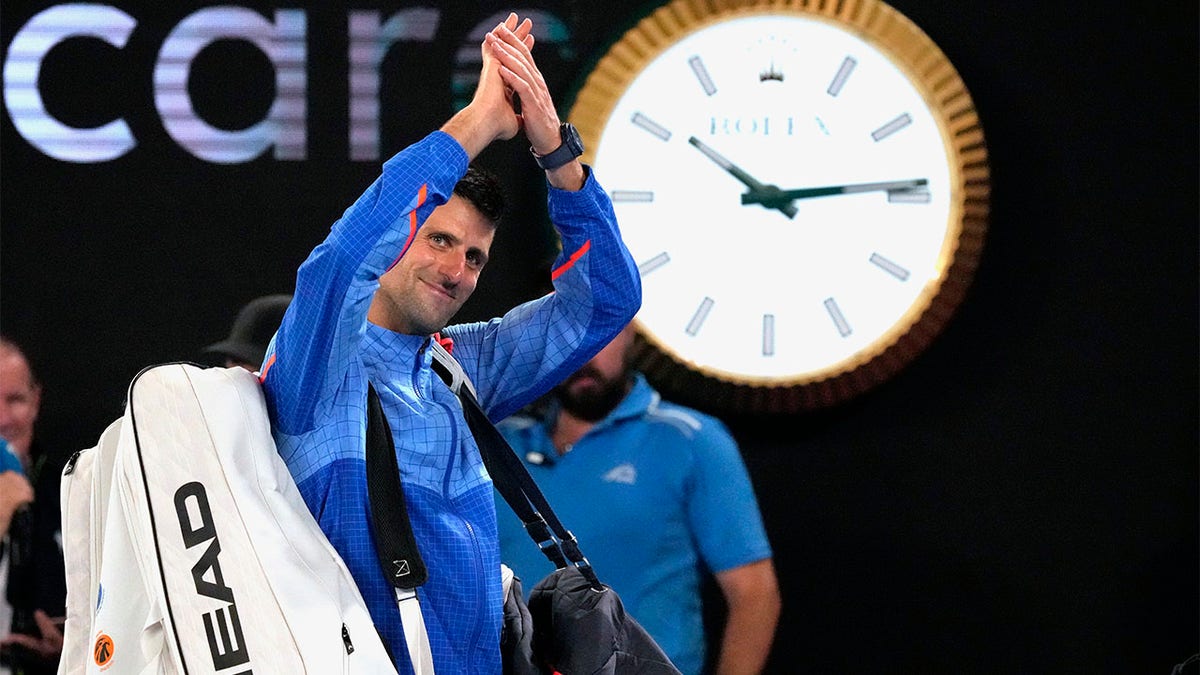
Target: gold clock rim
x=915, y=54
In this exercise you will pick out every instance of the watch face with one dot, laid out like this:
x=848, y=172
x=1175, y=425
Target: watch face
x=791, y=195
x=572, y=140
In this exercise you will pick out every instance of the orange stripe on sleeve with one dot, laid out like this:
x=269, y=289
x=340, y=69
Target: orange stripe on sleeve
x=412, y=222
x=572, y=260
x=263, y=376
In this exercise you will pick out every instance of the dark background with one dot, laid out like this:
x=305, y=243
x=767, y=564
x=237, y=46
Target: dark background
x=1021, y=499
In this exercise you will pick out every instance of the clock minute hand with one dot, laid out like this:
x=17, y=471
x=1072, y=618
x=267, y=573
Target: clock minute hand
x=766, y=196
x=768, y=192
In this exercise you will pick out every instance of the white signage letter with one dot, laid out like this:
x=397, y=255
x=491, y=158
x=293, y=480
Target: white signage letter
x=284, y=44
x=369, y=45
x=24, y=102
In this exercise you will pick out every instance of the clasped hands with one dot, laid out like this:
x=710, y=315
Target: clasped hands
x=511, y=97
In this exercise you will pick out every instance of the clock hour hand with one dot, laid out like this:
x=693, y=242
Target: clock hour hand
x=766, y=193
x=769, y=196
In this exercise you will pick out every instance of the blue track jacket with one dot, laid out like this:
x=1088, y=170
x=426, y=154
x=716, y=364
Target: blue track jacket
x=315, y=378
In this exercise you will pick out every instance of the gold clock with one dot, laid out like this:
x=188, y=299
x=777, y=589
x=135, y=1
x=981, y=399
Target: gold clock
x=804, y=186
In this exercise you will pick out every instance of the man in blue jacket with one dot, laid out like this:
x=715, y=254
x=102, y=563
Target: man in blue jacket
x=394, y=269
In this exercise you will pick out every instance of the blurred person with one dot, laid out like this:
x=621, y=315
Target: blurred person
x=35, y=586
x=15, y=493
x=252, y=329
x=656, y=494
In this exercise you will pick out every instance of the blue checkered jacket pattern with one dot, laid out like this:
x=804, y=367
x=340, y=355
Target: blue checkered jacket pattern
x=316, y=371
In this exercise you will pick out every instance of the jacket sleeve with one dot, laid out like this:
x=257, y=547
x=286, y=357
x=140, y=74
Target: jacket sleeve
x=318, y=339
x=514, y=359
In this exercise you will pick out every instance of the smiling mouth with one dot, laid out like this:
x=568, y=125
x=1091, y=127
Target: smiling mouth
x=441, y=290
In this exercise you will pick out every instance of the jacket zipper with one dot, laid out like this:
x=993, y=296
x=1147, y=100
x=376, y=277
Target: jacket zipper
x=481, y=602
x=480, y=609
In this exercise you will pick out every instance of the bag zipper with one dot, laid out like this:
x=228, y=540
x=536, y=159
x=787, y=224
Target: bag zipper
x=70, y=466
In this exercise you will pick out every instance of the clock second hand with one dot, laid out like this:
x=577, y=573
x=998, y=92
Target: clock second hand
x=767, y=193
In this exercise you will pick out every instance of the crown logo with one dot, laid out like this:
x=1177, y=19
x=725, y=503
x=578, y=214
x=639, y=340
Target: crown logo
x=770, y=74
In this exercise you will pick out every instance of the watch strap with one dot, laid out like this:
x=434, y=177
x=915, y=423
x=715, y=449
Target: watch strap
x=570, y=148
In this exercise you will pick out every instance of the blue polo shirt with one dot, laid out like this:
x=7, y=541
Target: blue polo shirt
x=655, y=493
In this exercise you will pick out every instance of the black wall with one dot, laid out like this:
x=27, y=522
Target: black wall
x=1021, y=499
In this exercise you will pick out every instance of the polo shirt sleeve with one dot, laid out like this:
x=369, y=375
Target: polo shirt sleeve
x=721, y=508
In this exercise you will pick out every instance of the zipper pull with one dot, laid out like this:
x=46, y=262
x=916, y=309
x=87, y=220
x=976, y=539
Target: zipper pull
x=346, y=640
x=70, y=467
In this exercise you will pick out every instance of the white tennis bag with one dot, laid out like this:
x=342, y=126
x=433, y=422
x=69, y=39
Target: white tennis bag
x=189, y=549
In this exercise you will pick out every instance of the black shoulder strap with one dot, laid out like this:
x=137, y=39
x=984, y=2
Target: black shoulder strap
x=394, y=540
x=512, y=479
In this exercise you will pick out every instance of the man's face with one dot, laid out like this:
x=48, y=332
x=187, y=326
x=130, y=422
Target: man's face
x=420, y=294
x=596, y=388
x=20, y=400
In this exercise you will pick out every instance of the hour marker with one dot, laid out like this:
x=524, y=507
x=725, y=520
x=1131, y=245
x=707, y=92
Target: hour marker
x=632, y=196
x=653, y=263
x=843, y=74
x=891, y=127
x=768, y=334
x=698, y=318
x=702, y=75
x=889, y=267
x=651, y=126
x=835, y=313
x=909, y=196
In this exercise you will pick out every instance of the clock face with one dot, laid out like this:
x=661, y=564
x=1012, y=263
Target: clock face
x=791, y=191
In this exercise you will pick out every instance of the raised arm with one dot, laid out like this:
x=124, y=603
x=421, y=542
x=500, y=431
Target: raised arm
x=321, y=330
x=597, y=286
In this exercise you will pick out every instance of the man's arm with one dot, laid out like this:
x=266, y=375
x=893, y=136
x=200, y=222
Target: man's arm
x=598, y=289
x=728, y=528
x=334, y=287
x=752, y=597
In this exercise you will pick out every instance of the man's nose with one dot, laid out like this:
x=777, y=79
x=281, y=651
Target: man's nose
x=452, y=268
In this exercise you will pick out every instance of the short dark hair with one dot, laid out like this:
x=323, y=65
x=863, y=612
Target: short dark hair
x=482, y=189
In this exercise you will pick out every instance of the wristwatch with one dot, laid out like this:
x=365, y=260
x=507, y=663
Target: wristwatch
x=572, y=147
